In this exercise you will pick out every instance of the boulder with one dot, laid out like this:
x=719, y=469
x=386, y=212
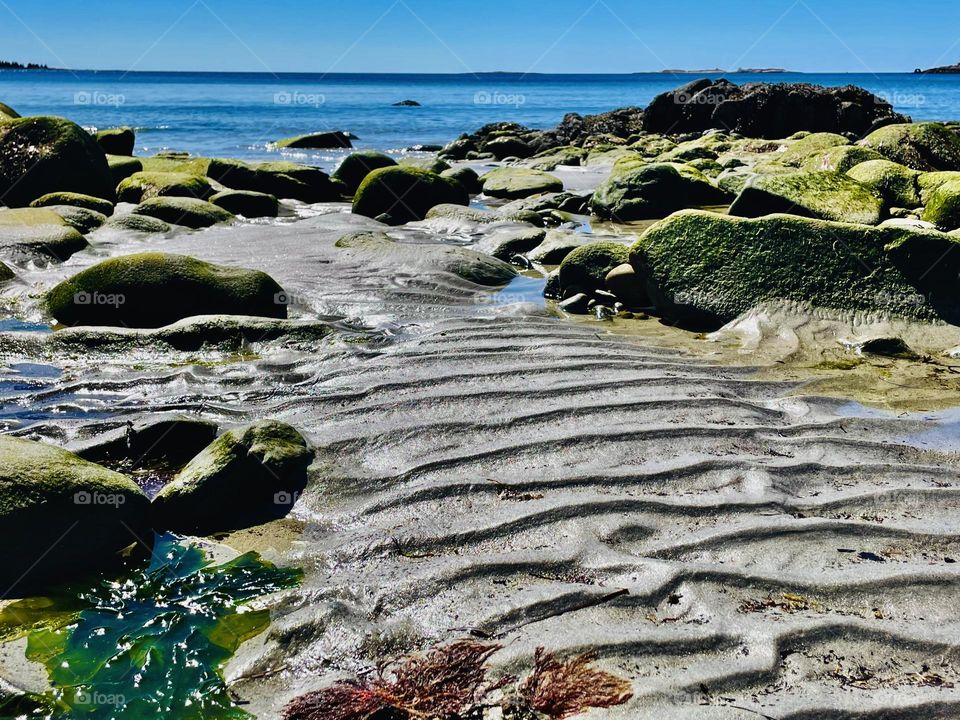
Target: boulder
x=466, y=177
x=247, y=203
x=404, y=194
x=433, y=164
x=823, y=195
x=40, y=155
x=168, y=443
x=920, y=146
x=508, y=146
x=895, y=183
x=585, y=269
x=643, y=192
x=317, y=141
x=151, y=290
x=943, y=206
x=281, y=179
x=626, y=284
x=117, y=141
x=356, y=166
x=507, y=242
x=105, y=207
x=7, y=113
x=799, y=150
x=550, y=160
x=705, y=269
x=61, y=516
x=38, y=233
x=146, y=185
x=246, y=477
x=189, y=212
x=122, y=167
x=137, y=223
x=463, y=213
x=556, y=246
x=80, y=219
x=839, y=159
x=515, y=183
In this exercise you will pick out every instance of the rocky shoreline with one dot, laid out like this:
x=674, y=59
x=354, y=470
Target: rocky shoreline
x=326, y=333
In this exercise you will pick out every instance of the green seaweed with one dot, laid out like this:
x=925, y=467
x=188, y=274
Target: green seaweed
x=152, y=644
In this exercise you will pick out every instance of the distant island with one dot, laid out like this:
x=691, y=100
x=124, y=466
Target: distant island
x=946, y=69
x=719, y=71
x=5, y=65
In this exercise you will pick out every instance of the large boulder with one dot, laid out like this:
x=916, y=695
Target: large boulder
x=146, y=185
x=189, y=212
x=38, y=234
x=117, y=141
x=943, y=206
x=246, y=477
x=151, y=290
x=40, y=155
x=400, y=195
x=356, y=166
x=839, y=158
x=433, y=164
x=640, y=192
x=799, y=150
x=76, y=199
x=511, y=183
x=137, y=223
x=79, y=218
x=61, y=516
x=585, y=269
x=893, y=182
x=704, y=268
x=467, y=177
x=281, y=179
x=317, y=141
x=123, y=167
x=762, y=110
x=823, y=195
x=508, y=146
x=247, y=203
x=921, y=146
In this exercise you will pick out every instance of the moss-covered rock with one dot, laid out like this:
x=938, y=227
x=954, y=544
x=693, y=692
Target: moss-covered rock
x=508, y=146
x=823, y=195
x=89, y=202
x=688, y=152
x=799, y=150
x=40, y=155
x=557, y=245
x=7, y=113
x=79, y=218
x=284, y=180
x=586, y=268
x=146, y=185
x=463, y=213
x=466, y=177
x=839, y=159
x=433, y=164
x=921, y=146
x=928, y=183
x=317, y=141
x=137, y=223
x=61, y=516
x=512, y=183
x=640, y=192
x=704, y=268
x=895, y=183
x=400, y=195
x=117, y=141
x=122, y=167
x=550, y=160
x=710, y=168
x=38, y=233
x=246, y=477
x=151, y=290
x=943, y=206
x=247, y=203
x=189, y=212
x=356, y=166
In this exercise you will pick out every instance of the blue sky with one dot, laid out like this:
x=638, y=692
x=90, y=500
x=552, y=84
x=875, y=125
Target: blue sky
x=448, y=36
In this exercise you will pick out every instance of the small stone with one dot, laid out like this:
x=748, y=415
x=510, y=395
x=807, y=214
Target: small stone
x=576, y=305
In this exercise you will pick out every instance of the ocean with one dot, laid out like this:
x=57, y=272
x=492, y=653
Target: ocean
x=239, y=114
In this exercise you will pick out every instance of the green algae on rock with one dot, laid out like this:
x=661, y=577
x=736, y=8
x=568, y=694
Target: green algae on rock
x=653, y=191
x=137, y=223
x=7, y=113
x=822, y=195
x=511, y=183
x=943, y=206
x=89, y=202
x=356, y=166
x=400, y=195
x=799, y=150
x=706, y=268
x=246, y=477
x=187, y=211
x=79, y=218
x=247, y=203
x=317, y=141
x=62, y=514
x=839, y=159
x=895, y=183
x=920, y=146
x=122, y=167
x=151, y=290
x=117, y=141
x=146, y=185
x=40, y=155
x=38, y=233
x=466, y=177
x=586, y=268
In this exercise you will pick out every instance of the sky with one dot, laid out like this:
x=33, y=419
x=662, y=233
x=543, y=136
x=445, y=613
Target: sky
x=450, y=36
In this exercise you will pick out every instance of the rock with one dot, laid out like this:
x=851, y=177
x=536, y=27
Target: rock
x=434, y=165
x=467, y=177
x=891, y=347
x=7, y=113
x=99, y=205
x=151, y=290
x=80, y=219
x=823, y=195
x=550, y=160
x=586, y=268
x=578, y=304
x=840, y=266
x=928, y=183
x=515, y=183
x=896, y=184
x=839, y=159
x=356, y=166
x=167, y=442
x=61, y=516
x=137, y=223
x=147, y=185
x=557, y=246
x=943, y=206
x=190, y=212
x=910, y=223
x=627, y=285
x=653, y=191
x=762, y=110
x=40, y=155
x=508, y=146
x=317, y=141
x=505, y=243
x=122, y=167
x=247, y=203
x=921, y=146
x=406, y=194
x=459, y=149
x=799, y=150
x=117, y=141
x=709, y=168
x=407, y=103
x=246, y=477
x=280, y=179
x=462, y=213
x=37, y=233
x=577, y=129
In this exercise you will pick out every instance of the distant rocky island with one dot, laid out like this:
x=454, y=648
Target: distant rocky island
x=946, y=69
x=6, y=65
x=720, y=71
